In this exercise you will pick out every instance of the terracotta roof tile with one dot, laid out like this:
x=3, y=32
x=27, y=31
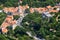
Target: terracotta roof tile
x=4, y=30
x=4, y=25
x=13, y=22
x=49, y=6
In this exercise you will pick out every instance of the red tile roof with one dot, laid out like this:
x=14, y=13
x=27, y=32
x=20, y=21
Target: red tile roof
x=8, y=21
x=4, y=30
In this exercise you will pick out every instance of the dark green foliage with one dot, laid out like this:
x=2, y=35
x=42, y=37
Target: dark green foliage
x=2, y=17
x=16, y=17
x=47, y=28
x=9, y=3
x=31, y=3
x=2, y=37
x=19, y=33
x=39, y=3
x=43, y=26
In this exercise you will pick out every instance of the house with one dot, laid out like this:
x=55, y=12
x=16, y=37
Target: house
x=8, y=22
x=4, y=25
x=15, y=10
x=55, y=11
x=31, y=10
x=46, y=14
x=49, y=7
x=4, y=30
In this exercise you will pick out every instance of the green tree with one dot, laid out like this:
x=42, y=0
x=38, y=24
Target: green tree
x=47, y=28
x=16, y=17
x=2, y=37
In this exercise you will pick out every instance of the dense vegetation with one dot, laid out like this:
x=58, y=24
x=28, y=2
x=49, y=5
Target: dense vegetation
x=47, y=28
x=40, y=3
x=40, y=27
x=31, y=3
x=16, y=17
x=2, y=17
x=17, y=34
x=9, y=3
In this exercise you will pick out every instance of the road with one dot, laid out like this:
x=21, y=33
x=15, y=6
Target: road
x=29, y=33
x=20, y=19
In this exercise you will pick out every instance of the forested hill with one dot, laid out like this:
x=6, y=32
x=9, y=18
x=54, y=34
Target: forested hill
x=31, y=3
x=9, y=2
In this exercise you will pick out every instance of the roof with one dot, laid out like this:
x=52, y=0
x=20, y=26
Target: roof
x=4, y=30
x=54, y=11
x=4, y=25
x=13, y=22
x=31, y=10
x=15, y=9
x=8, y=21
x=49, y=6
x=47, y=14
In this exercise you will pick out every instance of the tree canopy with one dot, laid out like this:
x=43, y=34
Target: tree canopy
x=47, y=28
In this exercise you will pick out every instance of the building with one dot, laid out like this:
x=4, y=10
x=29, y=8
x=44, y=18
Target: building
x=8, y=22
x=46, y=14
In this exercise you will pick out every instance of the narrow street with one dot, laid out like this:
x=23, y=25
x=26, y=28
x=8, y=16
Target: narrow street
x=20, y=19
x=29, y=33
